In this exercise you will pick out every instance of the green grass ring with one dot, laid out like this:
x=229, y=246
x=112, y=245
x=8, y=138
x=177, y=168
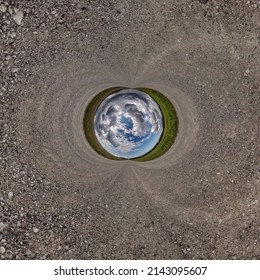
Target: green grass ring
x=170, y=123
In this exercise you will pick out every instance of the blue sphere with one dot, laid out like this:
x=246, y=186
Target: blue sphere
x=128, y=123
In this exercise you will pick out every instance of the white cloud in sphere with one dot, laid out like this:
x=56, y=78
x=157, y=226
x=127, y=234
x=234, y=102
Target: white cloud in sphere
x=126, y=121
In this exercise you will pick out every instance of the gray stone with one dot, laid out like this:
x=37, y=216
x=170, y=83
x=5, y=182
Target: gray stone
x=10, y=195
x=3, y=8
x=2, y=250
x=2, y=227
x=18, y=17
x=14, y=70
x=35, y=230
x=12, y=34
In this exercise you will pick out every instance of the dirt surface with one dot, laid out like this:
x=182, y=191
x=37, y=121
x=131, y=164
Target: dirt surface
x=59, y=199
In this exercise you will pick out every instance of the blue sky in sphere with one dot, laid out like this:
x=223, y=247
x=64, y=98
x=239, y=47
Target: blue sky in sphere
x=128, y=123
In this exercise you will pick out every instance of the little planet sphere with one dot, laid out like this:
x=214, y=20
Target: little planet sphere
x=128, y=123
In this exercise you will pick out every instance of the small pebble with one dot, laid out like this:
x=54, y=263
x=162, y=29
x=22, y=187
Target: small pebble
x=14, y=70
x=2, y=227
x=8, y=57
x=10, y=11
x=3, y=8
x=10, y=195
x=35, y=230
x=28, y=252
x=12, y=34
x=2, y=250
x=18, y=17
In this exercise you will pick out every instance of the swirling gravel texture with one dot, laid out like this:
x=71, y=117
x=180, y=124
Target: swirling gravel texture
x=59, y=199
x=128, y=123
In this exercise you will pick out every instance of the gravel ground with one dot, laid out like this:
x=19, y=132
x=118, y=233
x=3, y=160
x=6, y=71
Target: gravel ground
x=59, y=200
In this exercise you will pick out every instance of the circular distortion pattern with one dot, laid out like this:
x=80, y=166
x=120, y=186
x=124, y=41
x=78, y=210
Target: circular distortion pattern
x=60, y=198
x=128, y=123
